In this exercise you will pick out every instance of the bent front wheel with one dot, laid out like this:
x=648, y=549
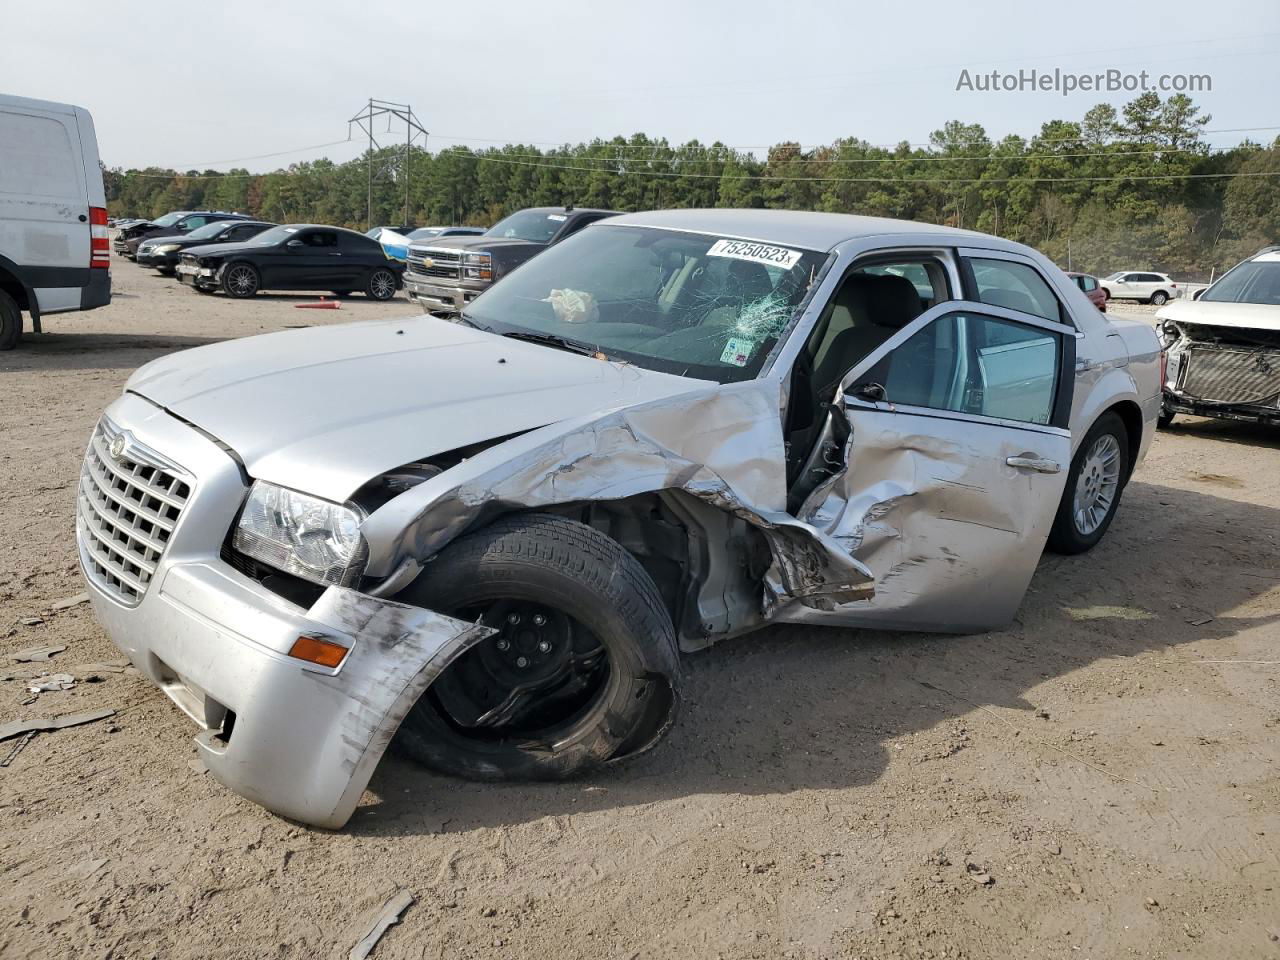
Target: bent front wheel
x=582, y=667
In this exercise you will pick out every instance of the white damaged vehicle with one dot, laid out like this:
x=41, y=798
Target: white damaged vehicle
x=1223, y=348
x=492, y=537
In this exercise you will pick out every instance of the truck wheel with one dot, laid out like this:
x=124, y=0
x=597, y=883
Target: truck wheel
x=381, y=285
x=10, y=322
x=1159, y=298
x=240, y=280
x=1098, y=474
x=1165, y=420
x=583, y=669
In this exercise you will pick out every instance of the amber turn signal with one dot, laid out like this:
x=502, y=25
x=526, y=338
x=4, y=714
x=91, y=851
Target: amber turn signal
x=318, y=650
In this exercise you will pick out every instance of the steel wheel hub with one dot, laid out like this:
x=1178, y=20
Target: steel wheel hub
x=1097, y=484
x=539, y=668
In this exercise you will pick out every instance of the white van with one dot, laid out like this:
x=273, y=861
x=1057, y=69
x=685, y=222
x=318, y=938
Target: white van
x=54, y=253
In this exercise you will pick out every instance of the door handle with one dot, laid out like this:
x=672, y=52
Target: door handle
x=1035, y=463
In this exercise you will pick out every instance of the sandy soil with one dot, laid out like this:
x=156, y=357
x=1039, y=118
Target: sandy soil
x=1109, y=763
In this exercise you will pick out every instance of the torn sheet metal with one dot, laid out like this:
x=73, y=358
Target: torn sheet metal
x=53, y=723
x=334, y=726
x=387, y=917
x=723, y=446
x=950, y=530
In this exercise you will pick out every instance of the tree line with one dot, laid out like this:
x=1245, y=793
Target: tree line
x=1138, y=187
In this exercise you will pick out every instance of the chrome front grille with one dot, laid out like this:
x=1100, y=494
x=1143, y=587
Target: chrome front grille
x=437, y=264
x=1232, y=375
x=129, y=503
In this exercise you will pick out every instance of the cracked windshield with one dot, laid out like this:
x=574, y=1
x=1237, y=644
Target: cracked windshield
x=697, y=305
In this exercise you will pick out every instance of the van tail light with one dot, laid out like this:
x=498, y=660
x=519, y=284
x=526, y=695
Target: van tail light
x=99, y=245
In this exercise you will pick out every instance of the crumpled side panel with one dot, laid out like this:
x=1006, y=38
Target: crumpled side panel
x=722, y=445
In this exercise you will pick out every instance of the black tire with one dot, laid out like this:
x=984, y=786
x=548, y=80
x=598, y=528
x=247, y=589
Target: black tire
x=10, y=322
x=1159, y=298
x=576, y=575
x=1068, y=536
x=341, y=294
x=381, y=284
x=240, y=280
x=166, y=271
x=1106, y=294
x=1165, y=420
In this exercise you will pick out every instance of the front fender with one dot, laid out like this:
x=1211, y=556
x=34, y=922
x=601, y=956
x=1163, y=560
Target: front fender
x=723, y=445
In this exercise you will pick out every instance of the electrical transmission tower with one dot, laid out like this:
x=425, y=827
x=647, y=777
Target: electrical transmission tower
x=374, y=110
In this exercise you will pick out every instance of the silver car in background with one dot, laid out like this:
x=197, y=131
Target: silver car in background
x=492, y=537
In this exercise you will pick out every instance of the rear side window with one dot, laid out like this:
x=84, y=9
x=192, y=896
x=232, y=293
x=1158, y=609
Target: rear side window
x=1014, y=286
x=36, y=158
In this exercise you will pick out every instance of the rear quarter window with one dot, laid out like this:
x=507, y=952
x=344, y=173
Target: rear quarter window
x=37, y=159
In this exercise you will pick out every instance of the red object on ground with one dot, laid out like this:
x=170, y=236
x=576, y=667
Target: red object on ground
x=321, y=305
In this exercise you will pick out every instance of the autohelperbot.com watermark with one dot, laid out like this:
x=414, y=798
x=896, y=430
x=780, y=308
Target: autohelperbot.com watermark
x=1033, y=80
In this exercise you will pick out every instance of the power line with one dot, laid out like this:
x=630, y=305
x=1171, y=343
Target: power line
x=261, y=156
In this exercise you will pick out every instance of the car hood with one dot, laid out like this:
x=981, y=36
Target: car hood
x=1251, y=316
x=475, y=243
x=326, y=409
x=210, y=249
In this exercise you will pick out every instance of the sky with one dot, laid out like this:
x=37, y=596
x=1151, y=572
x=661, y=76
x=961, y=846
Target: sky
x=208, y=86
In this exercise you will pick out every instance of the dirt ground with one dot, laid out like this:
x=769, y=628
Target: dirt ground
x=1100, y=780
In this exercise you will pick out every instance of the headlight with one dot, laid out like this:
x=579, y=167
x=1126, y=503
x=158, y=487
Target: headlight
x=477, y=266
x=166, y=248
x=302, y=535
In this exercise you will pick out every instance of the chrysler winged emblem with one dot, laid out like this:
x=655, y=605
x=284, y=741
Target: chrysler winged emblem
x=119, y=443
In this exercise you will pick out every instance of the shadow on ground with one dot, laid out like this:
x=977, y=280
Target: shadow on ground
x=793, y=708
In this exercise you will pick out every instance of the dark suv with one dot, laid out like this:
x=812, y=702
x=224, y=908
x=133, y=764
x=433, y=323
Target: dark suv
x=444, y=275
x=177, y=223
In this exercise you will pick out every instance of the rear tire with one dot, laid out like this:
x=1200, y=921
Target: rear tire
x=240, y=280
x=1098, y=474
x=604, y=685
x=341, y=294
x=10, y=322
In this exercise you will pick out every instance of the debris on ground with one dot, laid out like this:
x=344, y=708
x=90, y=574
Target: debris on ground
x=389, y=916
x=978, y=874
x=32, y=621
x=197, y=766
x=68, y=602
x=17, y=727
x=1201, y=621
x=53, y=681
x=18, y=747
x=37, y=654
x=86, y=868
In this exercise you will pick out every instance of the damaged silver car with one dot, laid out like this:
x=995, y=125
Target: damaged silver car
x=1223, y=348
x=493, y=537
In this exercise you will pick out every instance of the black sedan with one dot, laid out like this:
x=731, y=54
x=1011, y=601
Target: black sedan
x=296, y=256
x=163, y=252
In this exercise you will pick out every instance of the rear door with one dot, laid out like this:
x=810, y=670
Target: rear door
x=44, y=206
x=954, y=464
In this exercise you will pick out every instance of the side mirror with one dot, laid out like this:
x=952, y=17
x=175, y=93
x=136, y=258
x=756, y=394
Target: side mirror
x=873, y=392
x=1196, y=295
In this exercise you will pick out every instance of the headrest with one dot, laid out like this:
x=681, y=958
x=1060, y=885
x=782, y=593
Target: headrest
x=884, y=299
x=748, y=280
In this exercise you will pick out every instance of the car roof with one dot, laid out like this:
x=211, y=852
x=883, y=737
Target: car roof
x=799, y=228
x=567, y=210
x=322, y=226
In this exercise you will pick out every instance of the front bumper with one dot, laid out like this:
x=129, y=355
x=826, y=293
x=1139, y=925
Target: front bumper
x=158, y=260
x=1174, y=402
x=439, y=298
x=299, y=739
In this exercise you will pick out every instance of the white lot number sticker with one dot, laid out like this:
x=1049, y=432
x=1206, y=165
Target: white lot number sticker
x=737, y=351
x=558, y=217
x=756, y=253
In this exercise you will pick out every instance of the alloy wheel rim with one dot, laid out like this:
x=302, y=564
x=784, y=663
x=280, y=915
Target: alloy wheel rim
x=383, y=285
x=1097, y=484
x=241, y=280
